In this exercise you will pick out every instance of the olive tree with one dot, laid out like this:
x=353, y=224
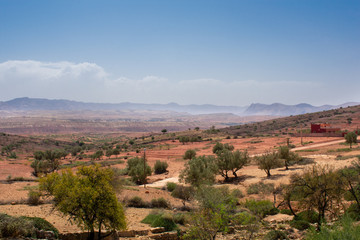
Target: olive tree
x=230, y=161
x=87, y=198
x=351, y=138
x=268, y=161
x=199, y=170
x=318, y=187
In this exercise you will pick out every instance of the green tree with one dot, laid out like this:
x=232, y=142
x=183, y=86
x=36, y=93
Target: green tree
x=351, y=138
x=318, y=187
x=164, y=131
x=230, y=161
x=199, y=170
x=136, y=170
x=46, y=162
x=287, y=156
x=268, y=161
x=219, y=147
x=87, y=198
x=189, y=154
x=215, y=213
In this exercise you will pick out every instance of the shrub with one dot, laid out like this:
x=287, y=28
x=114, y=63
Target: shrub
x=181, y=218
x=34, y=197
x=159, y=203
x=160, y=167
x=275, y=235
x=244, y=218
x=300, y=224
x=353, y=211
x=170, y=186
x=189, y=154
x=13, y=227
x=42, y=224
x=274, y=211
x=260, y=187
x=160, y=219
x=286, y=211
x=136, y=170
x=308, y=215
x=137, y=202
x=183, y=192
x=23, y=227
x=260, y=208
x=237, y=193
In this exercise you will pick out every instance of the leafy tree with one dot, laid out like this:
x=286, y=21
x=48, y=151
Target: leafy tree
x=109, y=153
x=136, y=170
x=230, y=161
x=97, y=155
x=189, y=154
x=87, y=198
x=160, y=167
x=46, y=162
x=318, y=187
x=185, y=193
x=219, y=147
x=214, y=215
x=351, y=138
x=184, y=139
x=199, y=170
x=164, y=131
x=287, y=156
x=351, y=179
x=268, y=161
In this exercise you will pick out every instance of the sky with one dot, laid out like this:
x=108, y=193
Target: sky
x=222, y=52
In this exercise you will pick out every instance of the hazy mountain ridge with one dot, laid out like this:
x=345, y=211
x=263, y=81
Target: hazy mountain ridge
x=279, y=109
x=275, y=109
x=46, y=104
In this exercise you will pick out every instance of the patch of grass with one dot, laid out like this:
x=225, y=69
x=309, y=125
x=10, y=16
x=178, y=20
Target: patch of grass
x=306, y=161
x=340, y=157
x=308, y=150
x=160, y=219
x=260, y=187
x=340, y=150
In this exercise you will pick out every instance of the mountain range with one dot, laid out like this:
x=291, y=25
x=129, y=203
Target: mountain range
x=275, y=109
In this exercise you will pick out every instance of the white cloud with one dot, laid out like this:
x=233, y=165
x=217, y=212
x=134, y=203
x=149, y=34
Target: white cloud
x=90, y=82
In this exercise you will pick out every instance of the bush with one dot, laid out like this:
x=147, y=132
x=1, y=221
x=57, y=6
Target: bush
x=260, y=208
x=275, y=235
x=286, y=211
x=183, y=192
x=260, y=187
x=237, y=193
x=308, y=215
x=34, y=198
x=160, y=167
x=181, y=218
x=300, y=224
x=189, y=154
x=274, y=211
x=353, y=211
x=137, y=202
x=13, y=227
x=20, y=227
x=244, y=218
x=160, y=219
x=159, y=203
x=136, y=170
x=170, y=186
x=42, y=224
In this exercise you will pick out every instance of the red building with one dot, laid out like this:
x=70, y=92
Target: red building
x=323, y=128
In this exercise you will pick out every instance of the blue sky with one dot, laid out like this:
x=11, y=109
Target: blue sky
x=222, y=52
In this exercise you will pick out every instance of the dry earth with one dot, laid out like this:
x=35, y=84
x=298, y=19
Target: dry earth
x=171, y=152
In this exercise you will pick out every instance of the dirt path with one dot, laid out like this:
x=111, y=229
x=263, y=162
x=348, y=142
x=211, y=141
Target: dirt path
x=318, y=145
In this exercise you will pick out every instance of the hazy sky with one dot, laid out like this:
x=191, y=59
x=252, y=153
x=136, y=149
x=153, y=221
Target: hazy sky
x=224, y=52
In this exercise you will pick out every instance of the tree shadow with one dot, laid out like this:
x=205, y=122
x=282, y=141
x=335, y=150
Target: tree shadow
x=290, y=169
x=238, y=180
x=274, y=177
